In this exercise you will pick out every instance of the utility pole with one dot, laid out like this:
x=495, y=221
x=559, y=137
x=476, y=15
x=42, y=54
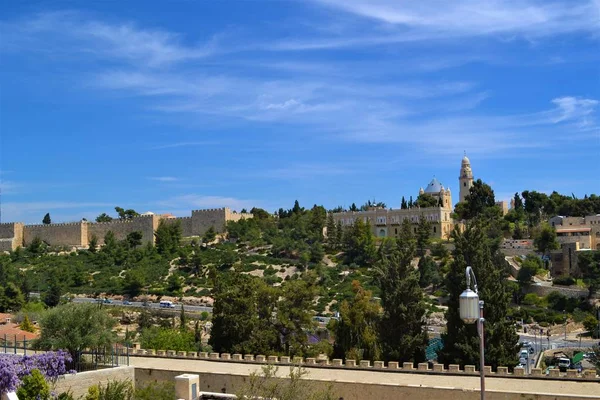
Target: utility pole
x=565, y=313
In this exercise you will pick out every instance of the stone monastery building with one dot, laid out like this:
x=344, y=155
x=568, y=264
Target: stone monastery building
x=78, y=234
x=386, y=222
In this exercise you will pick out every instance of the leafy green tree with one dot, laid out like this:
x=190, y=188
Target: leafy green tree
x=210, y=235
x=259, y=213
x=47, y=220
x=11, y=298
x=36, y=246
x=544, y=239
x=104, y=217
x=461, y=341
x=54, y=292
x=356, y=332
x=534, y=206
x=423, y=235
x=297, y=209
x=359, y=244
x=590, y=323
x=75, y=327
x=316, y=252
x=426, y=200
x=588, y=263
x=168, y=237
x=401, y=330
x=26, y=325
x=133, y=283
x=428, y=272
x=126, y=214
x=332, y=242
x=93, y=244
x=134, y=239
x=110, y=242
x=294, y=315
x=477, y=202
x=242, y=316
x=160, y=338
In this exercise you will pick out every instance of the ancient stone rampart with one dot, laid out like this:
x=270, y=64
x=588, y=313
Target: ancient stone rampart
x=79, y=234
x=146, y=224
x=11, y=236
x=69, y=234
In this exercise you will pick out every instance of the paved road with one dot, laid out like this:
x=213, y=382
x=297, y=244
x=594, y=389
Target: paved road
x=138, y=304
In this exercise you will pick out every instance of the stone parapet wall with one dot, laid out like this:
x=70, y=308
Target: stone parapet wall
x=68, y=234
x=202, y=220
x=346, y=389
x=391, y=366
x=146, y=224
x=11, y=236
x=571, y=292
x=79, y=383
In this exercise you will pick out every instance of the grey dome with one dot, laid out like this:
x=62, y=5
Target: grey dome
x=434, y=186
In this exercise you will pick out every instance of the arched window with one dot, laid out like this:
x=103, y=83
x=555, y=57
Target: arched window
x=382, y=233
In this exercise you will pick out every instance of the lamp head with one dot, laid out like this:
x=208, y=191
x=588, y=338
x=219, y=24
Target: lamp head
x=469, y=306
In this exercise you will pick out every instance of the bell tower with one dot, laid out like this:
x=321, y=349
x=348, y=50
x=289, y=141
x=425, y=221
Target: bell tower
x=465, y=180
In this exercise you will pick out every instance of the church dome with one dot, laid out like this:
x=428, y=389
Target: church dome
x=465, y=160
x=434, y=186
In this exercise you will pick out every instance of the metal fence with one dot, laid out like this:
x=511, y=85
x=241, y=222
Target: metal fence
x=89, y=360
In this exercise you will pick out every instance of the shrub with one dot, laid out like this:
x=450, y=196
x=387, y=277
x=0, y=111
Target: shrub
x=531, y=299
x=34, y=387
x=564, y=280
x=116, y=390
x=155, y=390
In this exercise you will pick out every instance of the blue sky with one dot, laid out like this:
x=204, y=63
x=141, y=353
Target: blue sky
x=180, y=105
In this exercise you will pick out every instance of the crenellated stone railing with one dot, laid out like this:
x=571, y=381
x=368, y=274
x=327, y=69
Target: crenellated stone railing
x=390, y=366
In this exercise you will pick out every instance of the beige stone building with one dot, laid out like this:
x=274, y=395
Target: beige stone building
x=585, y=231
x=385, y=222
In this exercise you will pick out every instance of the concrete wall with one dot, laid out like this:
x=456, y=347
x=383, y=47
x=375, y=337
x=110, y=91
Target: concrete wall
x=146, y=224
x=79, y=383
x=229, y=383
x=70, y=234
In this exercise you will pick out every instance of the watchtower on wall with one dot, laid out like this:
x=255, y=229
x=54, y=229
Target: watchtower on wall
x=11, y=236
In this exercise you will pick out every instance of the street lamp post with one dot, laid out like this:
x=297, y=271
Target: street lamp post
x=471, y=310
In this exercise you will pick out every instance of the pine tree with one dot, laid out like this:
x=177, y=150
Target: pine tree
x=401, y=330
x=339, y=234
x=93, y=244
x=47, y=220
x=410, y=202
x=461, y=341
x=423, y=232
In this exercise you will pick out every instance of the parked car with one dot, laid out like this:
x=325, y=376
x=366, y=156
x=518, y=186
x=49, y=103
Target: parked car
x=126, y=303
x=108, y=301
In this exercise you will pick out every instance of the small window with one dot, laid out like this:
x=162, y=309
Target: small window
x=465, y=184
x=434, y=229
x=395, y=231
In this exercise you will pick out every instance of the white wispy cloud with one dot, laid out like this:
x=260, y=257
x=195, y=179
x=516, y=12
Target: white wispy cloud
x=71, y=30
x=163, y=178
x=443, y=19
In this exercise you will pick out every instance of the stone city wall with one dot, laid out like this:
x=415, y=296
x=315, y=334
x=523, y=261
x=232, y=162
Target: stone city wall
x=202, y=220
x=11, y=236
x=69, y=234
x=572, y=292
x=146, y=224
x=79, y=383
x=184, y=222
x=233, y=216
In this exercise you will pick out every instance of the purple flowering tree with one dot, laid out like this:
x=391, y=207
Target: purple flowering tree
x=14, y=367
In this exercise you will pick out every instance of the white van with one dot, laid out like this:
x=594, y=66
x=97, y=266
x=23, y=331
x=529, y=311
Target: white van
x=166, y=304
x=564, y=363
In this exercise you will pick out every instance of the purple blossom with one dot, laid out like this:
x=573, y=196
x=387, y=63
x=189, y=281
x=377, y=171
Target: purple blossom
x=14, y=367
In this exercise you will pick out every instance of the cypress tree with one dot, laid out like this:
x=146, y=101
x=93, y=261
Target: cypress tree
x=331, y=232
x=403, y=204
x=47, y=220
x=461, y=341
x=401, y=330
